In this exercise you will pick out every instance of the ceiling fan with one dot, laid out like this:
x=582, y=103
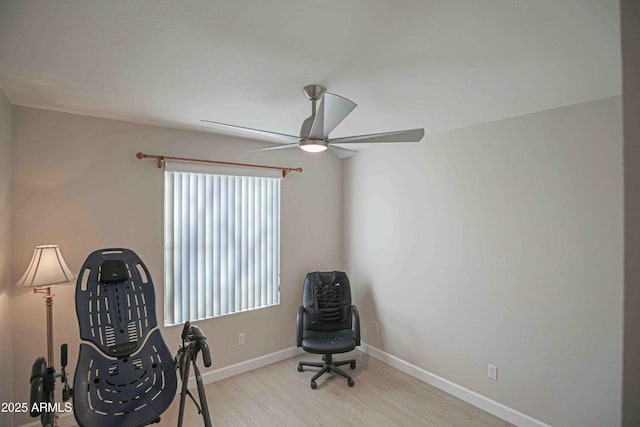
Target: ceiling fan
x=315, y=130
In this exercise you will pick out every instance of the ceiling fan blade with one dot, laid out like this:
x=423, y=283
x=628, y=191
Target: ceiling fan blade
x=331, y=112
x=283, y=138
x=277, y=147
x=411, y=135
x=341, y=153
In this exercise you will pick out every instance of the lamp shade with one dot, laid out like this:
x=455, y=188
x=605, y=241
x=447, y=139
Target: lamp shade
x=47, y=267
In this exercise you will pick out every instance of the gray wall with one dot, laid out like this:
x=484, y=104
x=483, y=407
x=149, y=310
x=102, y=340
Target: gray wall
x=630, y=12
x=500, y=243
x=6, y=356
x=76, y=182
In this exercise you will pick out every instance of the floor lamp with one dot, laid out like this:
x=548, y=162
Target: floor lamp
x=46, y=269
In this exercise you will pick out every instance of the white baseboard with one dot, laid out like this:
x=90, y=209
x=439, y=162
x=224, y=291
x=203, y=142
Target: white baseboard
x=67, y=420
x=476, y=399
x=247, y=365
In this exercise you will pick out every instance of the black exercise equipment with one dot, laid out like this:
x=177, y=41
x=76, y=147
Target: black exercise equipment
x=125, y=375
x=43, y=381
x=193, y=341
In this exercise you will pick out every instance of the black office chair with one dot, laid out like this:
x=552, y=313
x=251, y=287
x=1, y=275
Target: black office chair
x=327, y=322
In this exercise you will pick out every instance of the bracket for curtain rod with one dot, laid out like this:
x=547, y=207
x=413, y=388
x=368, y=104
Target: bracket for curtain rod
x=162, y=159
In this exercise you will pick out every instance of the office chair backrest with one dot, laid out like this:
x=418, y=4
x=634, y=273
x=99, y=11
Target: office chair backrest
x=125, y=375
x=327, y=300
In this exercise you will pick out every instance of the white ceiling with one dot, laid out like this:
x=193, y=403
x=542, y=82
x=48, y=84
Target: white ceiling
x=437, y=64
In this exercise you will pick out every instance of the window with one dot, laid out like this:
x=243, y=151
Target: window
x=222, y=241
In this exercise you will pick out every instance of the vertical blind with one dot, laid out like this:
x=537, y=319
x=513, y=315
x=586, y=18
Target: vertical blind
x=222, y=244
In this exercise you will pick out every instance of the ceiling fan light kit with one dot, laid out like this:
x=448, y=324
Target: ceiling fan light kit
x=313, y=145
x=324, y=118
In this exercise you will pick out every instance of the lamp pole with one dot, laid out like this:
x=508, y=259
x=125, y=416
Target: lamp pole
x=48, y=302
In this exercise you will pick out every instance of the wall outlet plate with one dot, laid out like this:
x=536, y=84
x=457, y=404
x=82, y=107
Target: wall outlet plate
x=492, y=372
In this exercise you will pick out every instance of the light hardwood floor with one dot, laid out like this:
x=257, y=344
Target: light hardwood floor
x=279, y=395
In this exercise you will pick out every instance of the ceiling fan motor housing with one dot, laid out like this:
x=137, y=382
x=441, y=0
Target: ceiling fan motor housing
x=314, y=92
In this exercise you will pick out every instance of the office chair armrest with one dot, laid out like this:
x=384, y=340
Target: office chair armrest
x=299, y=326
x=355, y=323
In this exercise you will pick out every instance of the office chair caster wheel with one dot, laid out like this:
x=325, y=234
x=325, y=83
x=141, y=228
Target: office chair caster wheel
x=350, y=382
x=352, y=365
x=300, y=368
x=314, y=385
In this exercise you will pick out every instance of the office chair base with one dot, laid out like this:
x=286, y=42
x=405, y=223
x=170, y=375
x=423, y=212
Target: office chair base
x=329, y=366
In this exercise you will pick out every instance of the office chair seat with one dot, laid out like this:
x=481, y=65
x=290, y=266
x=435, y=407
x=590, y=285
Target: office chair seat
x=319, y=342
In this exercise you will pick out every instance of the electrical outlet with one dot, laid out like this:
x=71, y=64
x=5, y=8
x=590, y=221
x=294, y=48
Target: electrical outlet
x=241, y=338
x=376, y=327
x=492, y=372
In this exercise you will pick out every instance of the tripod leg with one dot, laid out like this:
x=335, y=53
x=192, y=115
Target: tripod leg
x=202, y=395
x=48, y=418
x=183, y=366
x=193, y=399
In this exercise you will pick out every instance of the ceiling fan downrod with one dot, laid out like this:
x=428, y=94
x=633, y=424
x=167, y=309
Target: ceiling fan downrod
x=313, y=93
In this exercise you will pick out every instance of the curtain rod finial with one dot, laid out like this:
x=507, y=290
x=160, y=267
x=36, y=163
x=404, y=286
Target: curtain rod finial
x=287, y=171
x=141, y=155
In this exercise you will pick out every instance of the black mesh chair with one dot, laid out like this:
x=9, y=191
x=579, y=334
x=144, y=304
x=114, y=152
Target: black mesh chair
x=327, y=322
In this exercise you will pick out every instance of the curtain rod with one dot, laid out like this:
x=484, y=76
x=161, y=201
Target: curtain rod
x=161, y=159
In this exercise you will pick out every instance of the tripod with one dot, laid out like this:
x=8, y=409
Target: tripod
x=193, y=341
